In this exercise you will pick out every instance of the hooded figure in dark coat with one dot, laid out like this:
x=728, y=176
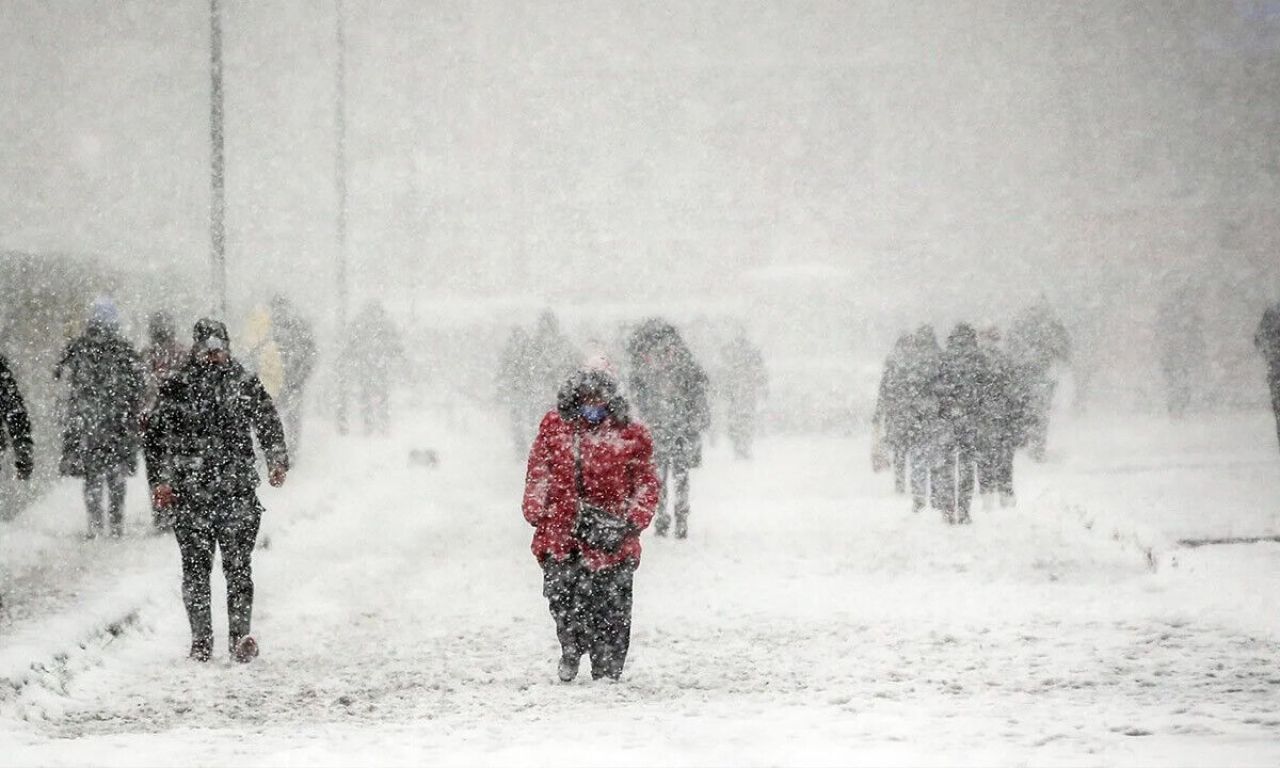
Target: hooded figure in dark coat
x=962, y=383
x=669, y=390
x=922, y=426
x=890, y=418
x=1001, y=421
x=1036, y=341
x=102, y=432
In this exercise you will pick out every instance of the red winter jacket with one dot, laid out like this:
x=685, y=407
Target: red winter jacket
x=617, y=474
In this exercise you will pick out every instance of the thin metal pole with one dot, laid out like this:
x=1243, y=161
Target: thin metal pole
x=340, y=122
x=340, y=126
x=218, y=204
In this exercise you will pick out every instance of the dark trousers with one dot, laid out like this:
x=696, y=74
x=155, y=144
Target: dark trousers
x=954, y=484
x=592, y=611
x=232, y=526
x=112, y=479
x=899, y=469
x=672, y=470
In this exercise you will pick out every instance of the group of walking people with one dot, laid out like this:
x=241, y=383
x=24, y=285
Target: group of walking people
x=956, y=415
x=946, y=415
x=193, y=411
x=113, y=392
x=602, y=467
x=951, y=418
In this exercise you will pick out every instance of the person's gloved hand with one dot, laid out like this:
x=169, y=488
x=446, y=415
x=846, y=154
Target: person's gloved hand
x=163, y=496
x=277, y=476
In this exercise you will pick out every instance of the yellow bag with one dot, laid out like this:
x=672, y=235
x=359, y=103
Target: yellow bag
x=261, y=353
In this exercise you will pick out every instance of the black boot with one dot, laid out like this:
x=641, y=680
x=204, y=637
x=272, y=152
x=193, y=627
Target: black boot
x=567, y=670
x=201, y=649
x=605, y=666
x=244, y=649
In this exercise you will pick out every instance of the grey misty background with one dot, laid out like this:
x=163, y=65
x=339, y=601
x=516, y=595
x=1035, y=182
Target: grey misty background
x=826, y=173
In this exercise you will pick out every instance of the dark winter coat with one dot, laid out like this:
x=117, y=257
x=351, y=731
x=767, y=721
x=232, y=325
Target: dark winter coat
x=1002, y=419
x=202, y=431
x=669, y=389
x=891, y=400
x=16, y=429
x=1267, y=340
x=106, y=390
x=963, y=380
x=617, y=474
x=923, y=427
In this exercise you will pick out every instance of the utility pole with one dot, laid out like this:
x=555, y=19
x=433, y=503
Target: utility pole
x=218, y=203
x=340, y=126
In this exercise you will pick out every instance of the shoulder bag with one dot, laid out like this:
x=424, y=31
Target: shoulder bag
x=594, y=526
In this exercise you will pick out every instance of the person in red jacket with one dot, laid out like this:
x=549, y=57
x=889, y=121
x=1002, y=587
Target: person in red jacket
x=589, y=451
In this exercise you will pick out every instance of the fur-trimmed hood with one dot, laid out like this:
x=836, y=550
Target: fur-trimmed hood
x=590, y=384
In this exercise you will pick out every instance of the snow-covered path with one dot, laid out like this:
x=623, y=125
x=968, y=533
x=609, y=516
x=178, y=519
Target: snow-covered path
x=810, y=619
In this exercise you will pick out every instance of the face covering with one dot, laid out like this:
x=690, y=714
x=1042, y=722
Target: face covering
x=594, y=414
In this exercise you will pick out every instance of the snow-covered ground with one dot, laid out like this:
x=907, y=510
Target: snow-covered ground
x=810, y=619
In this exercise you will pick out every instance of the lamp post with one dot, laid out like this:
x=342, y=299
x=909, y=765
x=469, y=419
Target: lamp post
x=340, y=126
x=218, y=204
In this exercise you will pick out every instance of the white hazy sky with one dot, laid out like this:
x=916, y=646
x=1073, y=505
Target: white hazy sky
x=941, y=152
